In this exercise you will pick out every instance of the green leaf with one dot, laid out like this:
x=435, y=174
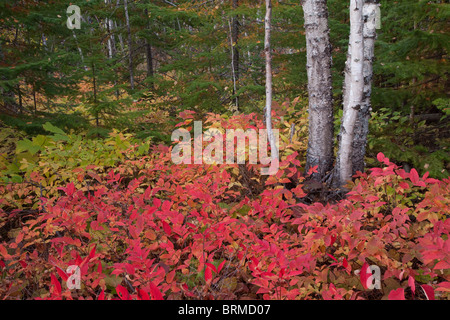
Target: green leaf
x=27, y=145
x=51, y=128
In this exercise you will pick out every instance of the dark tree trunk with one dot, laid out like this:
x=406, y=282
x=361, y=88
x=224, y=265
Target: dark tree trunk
x=130, y=48
x=148, y=49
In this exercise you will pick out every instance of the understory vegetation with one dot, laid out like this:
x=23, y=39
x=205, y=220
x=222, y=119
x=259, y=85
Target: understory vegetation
x=141, y=227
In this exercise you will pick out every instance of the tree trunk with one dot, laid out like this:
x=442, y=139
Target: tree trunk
x=148, y=49
x=362, y=121
x=111, y=43
x=94, y=84
x=34, y=100
x=19, y=92
x=234, y=34
x=354, y=91
x=268, y=56
x=318, y=48
x=130, y=49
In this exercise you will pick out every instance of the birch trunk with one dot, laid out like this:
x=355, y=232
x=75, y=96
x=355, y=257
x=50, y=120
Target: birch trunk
x=268, y=56
x=362, y=121
x=318, y=64
x=355, y=92
x=109, y=24
x=130, y=49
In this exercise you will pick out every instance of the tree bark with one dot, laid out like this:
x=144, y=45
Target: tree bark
x=362, y=121
x=130, y=49
x=111, y=43
x=234, y=34
x=355, y=93
x=149, y=57
x=19, y=92
x=268, y=56
x=318, y=52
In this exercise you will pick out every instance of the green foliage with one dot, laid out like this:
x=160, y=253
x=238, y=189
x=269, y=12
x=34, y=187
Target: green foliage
x=59, y=157
x=393, y=134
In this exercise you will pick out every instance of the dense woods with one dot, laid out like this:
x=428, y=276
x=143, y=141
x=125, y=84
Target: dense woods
x=350, y=97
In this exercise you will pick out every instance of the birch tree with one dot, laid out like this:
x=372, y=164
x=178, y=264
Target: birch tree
x=268, y=58
x=362, y=120
x=318, y=64
x=354, y=86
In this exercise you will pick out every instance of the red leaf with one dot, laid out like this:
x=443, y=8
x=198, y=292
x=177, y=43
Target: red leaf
x=428, y=291
x=92, y=253
x=170, y=276
x=143, y=295
x=122, y=292
x=346, y=265
x=208, y=275
x=70, y=189
x=167, y=228
x=62, y=274
x=333, y=239
x=56, y=284
x=414, y=176
x=101, y=296
x=380, y=157
x=19, y=237
x=398, y=294
x=155, y=293
x=332, y=257
x=213, y=267
x=221, y=266
x=412, y=284
x=364, y=275
x=444, y=286
x=312, y=170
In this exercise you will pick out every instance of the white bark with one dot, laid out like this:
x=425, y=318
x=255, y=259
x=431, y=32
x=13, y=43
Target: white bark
x=233, y=71
x=355, y=94
x=268, y=55
x=362, y=121
x=318, y=64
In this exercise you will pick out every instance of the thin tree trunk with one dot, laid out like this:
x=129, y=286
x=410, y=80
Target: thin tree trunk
x=19, y=93
x=95, y=94
x=355, y=93
x=233, y=71
x=234, y=35
x=148, y=48
x=362, y=121
x=34, y=100
x=318, y=48
x=112, y=38
x=116, y=25
x=235, y=38
x=121, y=43
x=268, y=56
x=108, y=30
x=130, y=49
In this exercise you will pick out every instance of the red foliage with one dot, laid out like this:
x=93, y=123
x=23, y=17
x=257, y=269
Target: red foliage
x=176, y=232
